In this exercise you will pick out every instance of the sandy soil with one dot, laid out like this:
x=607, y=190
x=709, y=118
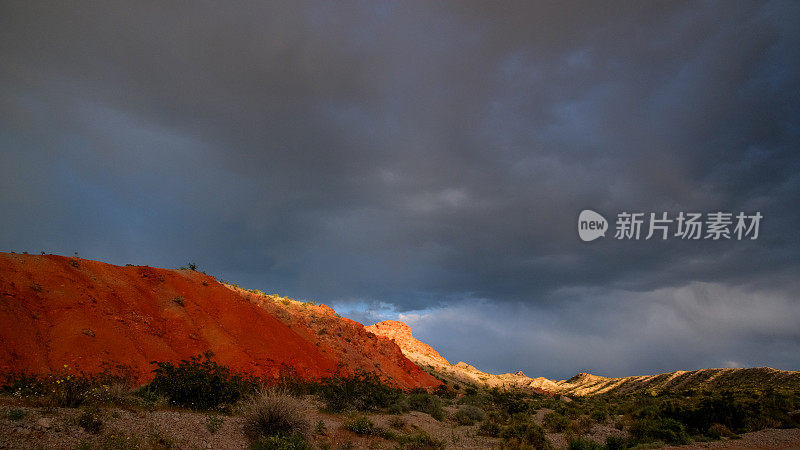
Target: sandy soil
x=765, y=439
x=59, y=428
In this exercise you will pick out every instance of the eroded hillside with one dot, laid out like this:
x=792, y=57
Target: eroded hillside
x=57, y=311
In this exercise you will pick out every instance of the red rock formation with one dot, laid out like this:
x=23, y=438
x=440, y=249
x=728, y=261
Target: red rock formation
x=400, y=333
x=56, y=310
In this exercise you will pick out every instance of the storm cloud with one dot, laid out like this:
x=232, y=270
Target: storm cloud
x=427, y=160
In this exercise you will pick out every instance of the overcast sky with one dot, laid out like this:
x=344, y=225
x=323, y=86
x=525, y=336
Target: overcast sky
x=427, y=161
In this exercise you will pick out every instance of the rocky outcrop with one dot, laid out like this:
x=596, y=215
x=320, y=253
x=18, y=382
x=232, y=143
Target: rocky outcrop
x=426, y=357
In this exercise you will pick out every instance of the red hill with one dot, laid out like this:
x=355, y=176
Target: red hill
x=56, y=310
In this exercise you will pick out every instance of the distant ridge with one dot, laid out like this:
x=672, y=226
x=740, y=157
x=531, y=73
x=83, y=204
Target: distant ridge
x=585, y=384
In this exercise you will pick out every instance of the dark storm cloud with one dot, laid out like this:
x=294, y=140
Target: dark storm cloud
x=410, y=153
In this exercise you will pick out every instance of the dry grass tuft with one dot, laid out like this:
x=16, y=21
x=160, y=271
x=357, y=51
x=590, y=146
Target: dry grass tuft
x=274, y=413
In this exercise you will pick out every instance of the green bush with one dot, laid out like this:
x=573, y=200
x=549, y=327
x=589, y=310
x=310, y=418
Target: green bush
x=421, y=440
x=522, y=430
x=468, y=415
x=199, y=383
x=15, y=414
x=580, y=443
x=556, y=422
x=360, y=425
x=427, y=403
x=616, y=443
x=665, y=430
x=72, y=388
x=294, y=442
x=361, y=392
x=510, y=402
x=489, y=428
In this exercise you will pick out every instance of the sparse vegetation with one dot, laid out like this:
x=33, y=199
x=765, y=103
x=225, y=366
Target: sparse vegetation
x=427, y=403
x=468, y=415
x=361, y=392
x=274, y=415
x=523, y=431
x=200, y=383
x=277, y=419
x=214, y=423
x=360, y=425
x=15, y=414
x=420, y=440
x=90, y=420
x=556, y=422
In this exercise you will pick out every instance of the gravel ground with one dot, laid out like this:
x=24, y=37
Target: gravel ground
x=59, y=428
x=766, y=439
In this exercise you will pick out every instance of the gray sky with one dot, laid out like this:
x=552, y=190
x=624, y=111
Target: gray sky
x=427, y=160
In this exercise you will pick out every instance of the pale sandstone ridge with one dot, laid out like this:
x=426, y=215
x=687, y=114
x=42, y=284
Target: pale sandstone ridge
x=583, y=383
x=400, y=333
x=430, y=360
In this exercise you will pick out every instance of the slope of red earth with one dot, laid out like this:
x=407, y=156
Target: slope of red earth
x=57, y=311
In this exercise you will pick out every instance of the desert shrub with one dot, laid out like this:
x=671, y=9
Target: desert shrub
x=665, y=430
x=119, y=442
x=273, y=413
x=294, y=442
x=69, y=388
x=493, y=424
x=360, y=425
x=397, y=422
x=421, y=440
x=616, y=443
x=362, y=392
x=489, y=428
x=179, y=300
x=427, y=403
x=116, y=393
x=90, y=420
x=157, y=441
x=583, y=425
x=580, y=443
x=445, y=392
x=599, y=415
x=146, y=397
x=199, y=383
x=509, y=401
x=556, y=422
x=737, y=413
x=468, y=415
x=398, y=407
x=475, y=398
x=15, y=414
x=71, y=391
x=214, y=423
x=523, y=431
x=718, y=431
x=23, y=384
x=291, y=382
